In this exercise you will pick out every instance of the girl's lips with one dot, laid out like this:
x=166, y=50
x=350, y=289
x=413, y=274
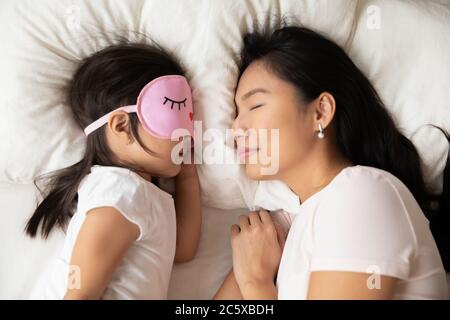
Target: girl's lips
x=247, y=152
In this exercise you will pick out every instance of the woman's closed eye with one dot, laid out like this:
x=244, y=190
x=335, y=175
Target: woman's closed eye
x=174, y=102
x=256, y=107
x=252, y=108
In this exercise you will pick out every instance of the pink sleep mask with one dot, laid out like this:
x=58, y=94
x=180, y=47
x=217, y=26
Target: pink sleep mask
x=163, y=106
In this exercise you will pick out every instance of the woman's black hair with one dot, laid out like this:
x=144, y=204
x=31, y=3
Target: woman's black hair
x=108, y=79
x=365, y=132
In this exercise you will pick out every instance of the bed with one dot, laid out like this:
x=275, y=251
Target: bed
x=402, y=46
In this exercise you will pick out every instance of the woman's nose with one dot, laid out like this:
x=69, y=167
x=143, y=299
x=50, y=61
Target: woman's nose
x=235, y=124
x=238, y=128
x=240, y=123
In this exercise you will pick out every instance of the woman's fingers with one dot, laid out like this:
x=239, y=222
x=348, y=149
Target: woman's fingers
x=234, y=230
x=259, y=218
x=281, y=234
x=244, y=223
x=265, y=217
x=254, y=219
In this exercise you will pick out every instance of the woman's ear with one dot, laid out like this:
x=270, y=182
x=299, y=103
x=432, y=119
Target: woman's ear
x=119, y=125
x=325, y=108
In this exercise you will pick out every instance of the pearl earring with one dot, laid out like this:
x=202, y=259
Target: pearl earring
x=320, y=135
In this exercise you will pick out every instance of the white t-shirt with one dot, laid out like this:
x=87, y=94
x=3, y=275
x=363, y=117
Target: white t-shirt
x=365, y=220
x=144, y=273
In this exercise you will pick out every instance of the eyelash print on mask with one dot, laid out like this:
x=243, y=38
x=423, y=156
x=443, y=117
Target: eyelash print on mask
x=182, y=102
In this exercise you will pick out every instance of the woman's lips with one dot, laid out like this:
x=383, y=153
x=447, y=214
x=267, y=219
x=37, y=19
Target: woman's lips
x=247, y=152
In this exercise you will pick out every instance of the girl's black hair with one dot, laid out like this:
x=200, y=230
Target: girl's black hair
x=108, y=79
x=365, y=132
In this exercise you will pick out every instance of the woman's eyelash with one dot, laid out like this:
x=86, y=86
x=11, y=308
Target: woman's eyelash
x=182, y=102
x=255, y=107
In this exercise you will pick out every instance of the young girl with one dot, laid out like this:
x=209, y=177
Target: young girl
x=123, y=231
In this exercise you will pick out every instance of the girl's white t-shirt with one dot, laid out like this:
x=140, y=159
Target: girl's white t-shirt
x=366, y=221
x=144, y=272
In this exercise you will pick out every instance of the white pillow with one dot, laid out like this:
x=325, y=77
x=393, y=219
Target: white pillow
x=43, y=44
x=407, y=59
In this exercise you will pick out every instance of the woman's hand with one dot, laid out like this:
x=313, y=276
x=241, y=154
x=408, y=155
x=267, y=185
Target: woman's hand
x=256, y=255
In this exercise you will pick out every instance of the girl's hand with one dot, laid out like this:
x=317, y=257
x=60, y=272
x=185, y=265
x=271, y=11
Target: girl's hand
x=188, y=169
x=256, y=251
x=188, y=211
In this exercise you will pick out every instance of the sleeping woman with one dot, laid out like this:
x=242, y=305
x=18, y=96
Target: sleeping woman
x=361, y=232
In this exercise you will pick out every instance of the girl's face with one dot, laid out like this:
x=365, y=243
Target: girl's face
x=268, y=105
x=161, y=162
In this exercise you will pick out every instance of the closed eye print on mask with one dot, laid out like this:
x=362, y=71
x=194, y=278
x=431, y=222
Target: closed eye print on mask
x=174, y=102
